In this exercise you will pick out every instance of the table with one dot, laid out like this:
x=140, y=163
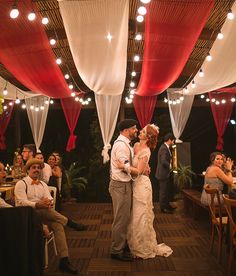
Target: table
x=8, y=189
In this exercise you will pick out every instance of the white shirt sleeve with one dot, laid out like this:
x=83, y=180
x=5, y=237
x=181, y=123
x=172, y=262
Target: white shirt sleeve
x=21, y=196
x=46, y=173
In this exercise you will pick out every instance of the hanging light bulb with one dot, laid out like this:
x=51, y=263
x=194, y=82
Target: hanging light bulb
x=72, y=94
x=51, y=101
x=133, y=73
x=230, y=15
x=45, y=20
x=5, y=92
x=165, y=100
x=233, y=100
x=217, y=102
x=17, y=101
x=4, y=107
x=37, y=109
x=14, y=12
x=207, y=100
x=201, y=73
x=32, y=16
x=223, y=101
x=132, y=84
x=202, y=96
x=186, y=90
x=52, y=41
x=42, y=107
x=142, y=10
x=89, y=99
x=181, y=98
x=138, y=36
x=58, y=61
x=128, y=100
x=213, y=100
x=71, y=86
x=67, y=76
x=209, y=57
x=193, y=85
x=140, y=18
x=132, y=92
x=136, y=58
x=31, y=107
x=46, y=101
x=220, y=35
x=23, y=106
x=145, y=1
x=76, y=99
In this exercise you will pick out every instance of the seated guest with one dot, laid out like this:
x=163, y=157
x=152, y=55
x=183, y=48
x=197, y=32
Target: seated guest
x=215, y=177
x=46, y=172
x=2, y=172
x=18, y=167
x=59, y=164
x=29, y=151
x=30, y=191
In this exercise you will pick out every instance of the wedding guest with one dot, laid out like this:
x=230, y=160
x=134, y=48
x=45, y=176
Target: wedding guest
x=2, y=172
x=46, y=172
x=18, y=167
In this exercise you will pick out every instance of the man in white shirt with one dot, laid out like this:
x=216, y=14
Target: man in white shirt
x=30, y=191
x=120, y=188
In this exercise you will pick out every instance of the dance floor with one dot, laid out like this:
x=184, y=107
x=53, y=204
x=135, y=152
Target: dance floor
x=90, y=249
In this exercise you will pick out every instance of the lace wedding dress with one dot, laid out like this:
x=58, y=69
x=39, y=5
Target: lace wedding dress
x=141, y=234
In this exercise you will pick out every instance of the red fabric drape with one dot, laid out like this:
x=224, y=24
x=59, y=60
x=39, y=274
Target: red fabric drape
x=221, y=114
x=171, y=31
x=228, y=90
x=144, y=108
x=26, y=52
x=71, y=110
x=4, y=121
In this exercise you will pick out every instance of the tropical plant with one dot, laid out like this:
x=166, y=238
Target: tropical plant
x=183, y=177
x=73, y=180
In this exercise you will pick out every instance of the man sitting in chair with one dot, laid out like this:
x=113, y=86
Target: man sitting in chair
x=30, y=191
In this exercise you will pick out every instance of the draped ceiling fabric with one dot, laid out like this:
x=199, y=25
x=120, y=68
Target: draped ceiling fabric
x=179, y=113
x=107, y=119
x=144, y=108
x=27, y=54
x=11, y=95
x=221, y=70
x=101, y=63
x=4, y=121
x=221, y=114
x=37, y=119
x=71, y=110
x=171, y=31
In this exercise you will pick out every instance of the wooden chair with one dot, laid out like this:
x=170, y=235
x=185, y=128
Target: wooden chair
x=218, y=222
x=229, y=203
x=50, y=237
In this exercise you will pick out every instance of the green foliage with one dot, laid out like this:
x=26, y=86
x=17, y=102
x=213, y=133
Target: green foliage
x=74, y=180
x=184, y=177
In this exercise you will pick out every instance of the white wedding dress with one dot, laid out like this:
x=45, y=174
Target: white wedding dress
x=141, y=234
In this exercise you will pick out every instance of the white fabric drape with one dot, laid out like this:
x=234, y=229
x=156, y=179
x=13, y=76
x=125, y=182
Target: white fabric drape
x=108, y=110
x=38, y=118
x=179, y=113
x=101, y=63
x=97, y=32
x=221, y=71
x=11, y=95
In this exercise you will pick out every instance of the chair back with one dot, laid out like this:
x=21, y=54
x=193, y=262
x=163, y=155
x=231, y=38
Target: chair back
x=215, y=204
x=229, y=203
x=53, y=192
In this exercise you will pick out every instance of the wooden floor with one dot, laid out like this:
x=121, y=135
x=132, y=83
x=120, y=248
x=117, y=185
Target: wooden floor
x=90, y=250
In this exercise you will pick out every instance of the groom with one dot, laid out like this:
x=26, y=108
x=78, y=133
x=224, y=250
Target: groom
x=120, y=188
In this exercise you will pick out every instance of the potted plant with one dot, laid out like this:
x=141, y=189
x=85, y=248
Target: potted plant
x=74, y=183
x=183, y=177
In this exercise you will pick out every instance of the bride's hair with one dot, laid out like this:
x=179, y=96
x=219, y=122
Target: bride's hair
x=152, y=132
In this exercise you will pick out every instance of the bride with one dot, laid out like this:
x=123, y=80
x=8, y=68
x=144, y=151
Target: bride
x=141, y=234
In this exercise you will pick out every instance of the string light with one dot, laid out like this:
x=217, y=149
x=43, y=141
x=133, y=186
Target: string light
x=52, y=41
x=58, y=61
x=201, y=73
x=32, y=16
x=136, y=58
x=140, y=18
x=138, y=37
x=145, y=1
x=220, y=36
x=67, y=76
x=142, y=10
x=45, y=20
x=193, y=85
x=14, y=13
x=230, y=15
x=209, y=57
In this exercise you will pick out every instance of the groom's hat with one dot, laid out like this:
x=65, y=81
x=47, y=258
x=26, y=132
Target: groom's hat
x=127, y=123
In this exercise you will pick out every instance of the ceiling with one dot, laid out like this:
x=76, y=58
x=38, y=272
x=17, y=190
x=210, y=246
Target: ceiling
x=55, y=29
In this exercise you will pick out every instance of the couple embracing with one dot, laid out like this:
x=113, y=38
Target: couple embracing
x=133, y=234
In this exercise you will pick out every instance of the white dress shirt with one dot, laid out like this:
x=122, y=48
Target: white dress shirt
x=28, y=196
x=121, y=151
x=45, y=173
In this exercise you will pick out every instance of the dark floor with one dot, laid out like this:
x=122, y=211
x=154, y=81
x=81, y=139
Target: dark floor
x=90, y=250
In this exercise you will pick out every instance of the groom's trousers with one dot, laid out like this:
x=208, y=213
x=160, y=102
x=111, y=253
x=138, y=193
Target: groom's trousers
x=121, y=193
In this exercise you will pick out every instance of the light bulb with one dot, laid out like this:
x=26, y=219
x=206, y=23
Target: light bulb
x=76, y=99
x=4, y=107
x=132, y=84
x=136, y=58
x=201, y=73
x=14, y=13
x=5, y=92
x=31, y=107
x=17, y=101
x=165, y=100
x=52, y=41
x=223, y=101
x=209, y=57
x=72, y=94
x=142, y=10
x=140, y=18
x=128, y=100
x=220, y=35
x=45, y=20
x=133, y=73
x=132, y=92
x=46, y=102
x=181, y=98
x=37, y=109
x=145, y=1
x=207, y=100
x=217, y=102
x=202, y=96
x=233, y=100
x=89, y=99
x=230, y=15
x=138, y=36
x=23, y=106
x=71, y=86
x=42, y=107
x=58, y=61
x=31, y=16
x=193, y=85
x=51, y=101
x=213, y=100
x=67, y=76
x=186, y=90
